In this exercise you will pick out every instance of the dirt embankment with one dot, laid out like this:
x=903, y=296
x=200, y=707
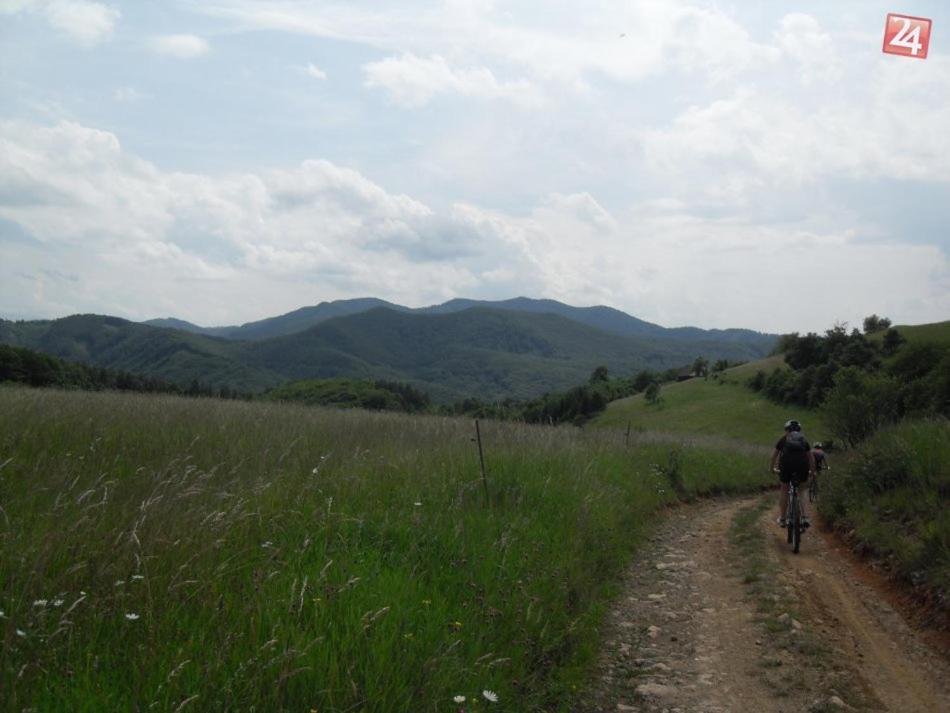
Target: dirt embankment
x=697, y=630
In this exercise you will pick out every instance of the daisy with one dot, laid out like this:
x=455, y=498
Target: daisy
x=132, y=616
x=20, y=632
x=490, y=696
x=39, y=603
x=58, y=603
x=459, y=699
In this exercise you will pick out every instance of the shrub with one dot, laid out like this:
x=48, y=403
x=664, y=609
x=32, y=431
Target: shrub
x=859, y=403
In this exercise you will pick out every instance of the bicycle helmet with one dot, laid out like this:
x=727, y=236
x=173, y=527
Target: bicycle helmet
x=818, y=444
x=793, y=425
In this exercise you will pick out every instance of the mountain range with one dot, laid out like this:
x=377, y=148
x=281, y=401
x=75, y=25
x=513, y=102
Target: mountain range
x=516, y=348
x=606, y=318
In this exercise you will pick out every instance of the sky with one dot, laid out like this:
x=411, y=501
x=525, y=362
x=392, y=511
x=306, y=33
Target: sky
x=717, y=164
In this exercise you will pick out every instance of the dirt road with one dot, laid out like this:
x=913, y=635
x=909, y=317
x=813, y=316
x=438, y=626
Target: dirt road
x=709, y=624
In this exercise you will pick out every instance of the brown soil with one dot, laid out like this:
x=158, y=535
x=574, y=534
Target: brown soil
x=687, y=634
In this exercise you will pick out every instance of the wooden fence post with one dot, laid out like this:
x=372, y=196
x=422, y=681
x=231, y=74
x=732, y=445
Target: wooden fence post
x=481, y=461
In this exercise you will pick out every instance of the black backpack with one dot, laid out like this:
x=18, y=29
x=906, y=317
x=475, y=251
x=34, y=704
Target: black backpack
x=795, y=453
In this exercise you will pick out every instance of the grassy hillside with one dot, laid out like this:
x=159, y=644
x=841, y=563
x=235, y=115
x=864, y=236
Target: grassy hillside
x=935, y=333
x=723, y=407
x=156, y=551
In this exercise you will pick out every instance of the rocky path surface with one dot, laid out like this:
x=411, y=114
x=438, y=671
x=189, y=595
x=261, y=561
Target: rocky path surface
x=691, y=634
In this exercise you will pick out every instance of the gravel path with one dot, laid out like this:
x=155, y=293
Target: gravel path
x=687, y=635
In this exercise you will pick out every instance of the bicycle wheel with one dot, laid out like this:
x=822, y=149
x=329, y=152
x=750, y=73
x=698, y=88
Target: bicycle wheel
x=796, y=525
x=813, y=490
x=789, y=511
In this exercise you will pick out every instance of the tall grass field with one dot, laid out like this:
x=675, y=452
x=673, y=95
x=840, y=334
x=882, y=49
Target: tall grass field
x=170, y=554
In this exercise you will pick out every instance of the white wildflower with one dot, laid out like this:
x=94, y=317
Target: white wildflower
x=490, y=696
x=57, y=602
x=119, y=582
x=138, y=576
x=40, y=603
x=132, y=616
x=459, y=699
x=417, y=504
x=2, y=615
x=20, y=632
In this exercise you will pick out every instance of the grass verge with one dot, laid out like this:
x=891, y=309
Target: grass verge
x=167, y=553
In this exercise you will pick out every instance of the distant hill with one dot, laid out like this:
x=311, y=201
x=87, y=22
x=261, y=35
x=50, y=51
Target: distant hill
x=170, y=354
x=290, y=323
x=487, y=353
x=605, y=318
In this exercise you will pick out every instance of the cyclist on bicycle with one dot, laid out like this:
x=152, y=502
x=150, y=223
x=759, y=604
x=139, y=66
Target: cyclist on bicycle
x=795, y=462
x=821, y=460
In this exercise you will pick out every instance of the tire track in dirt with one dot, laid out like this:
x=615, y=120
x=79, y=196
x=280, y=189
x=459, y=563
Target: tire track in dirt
x=860, y=626
x=686, y=637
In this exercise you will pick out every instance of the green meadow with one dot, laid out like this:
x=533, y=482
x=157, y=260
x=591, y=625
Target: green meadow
x=722, y=406
x=166, y=553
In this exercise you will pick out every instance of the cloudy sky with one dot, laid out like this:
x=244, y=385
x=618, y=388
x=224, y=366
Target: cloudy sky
x=709, y=163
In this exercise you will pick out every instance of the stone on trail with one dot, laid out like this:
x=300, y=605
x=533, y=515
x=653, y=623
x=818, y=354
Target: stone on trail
x=655, y=690
x=653, y=631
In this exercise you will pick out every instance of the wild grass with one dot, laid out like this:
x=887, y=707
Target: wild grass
x=164, y=553
x=891, y=495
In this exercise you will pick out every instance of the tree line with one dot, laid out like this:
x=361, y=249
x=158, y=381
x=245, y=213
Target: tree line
x=24, y=366
x=859, y=383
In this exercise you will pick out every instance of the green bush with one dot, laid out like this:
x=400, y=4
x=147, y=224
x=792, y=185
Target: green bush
x=859, y=403
x=891, y=493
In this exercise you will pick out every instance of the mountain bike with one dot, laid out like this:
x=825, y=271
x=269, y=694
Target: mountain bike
x=793, y=517
x=813, y=488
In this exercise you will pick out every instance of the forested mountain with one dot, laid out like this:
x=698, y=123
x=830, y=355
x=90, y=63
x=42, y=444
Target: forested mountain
x=605, y=318
x=487, y=353
x=290, y=323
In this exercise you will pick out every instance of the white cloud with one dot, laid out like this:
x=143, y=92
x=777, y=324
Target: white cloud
x=757, y=142
x=141, y=241
x=561, y=44
x=314, y=71
x=801, y=37
x=86, y=23
x=412, y=81
x=143, y=232
x=179, y=46
x=127, y=95
x=12, y=7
